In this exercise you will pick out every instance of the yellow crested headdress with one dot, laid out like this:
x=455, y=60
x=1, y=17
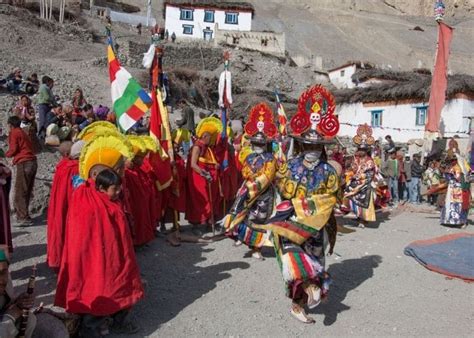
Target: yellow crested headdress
x=104, y=150
x=211, y=125
x=150, y=143
x=138, y=145
x=95, y=129
x=180, y=135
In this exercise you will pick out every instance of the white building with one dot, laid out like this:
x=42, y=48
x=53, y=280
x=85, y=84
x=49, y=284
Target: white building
x=341, y=77
x=396, y=104
x=199, y=19
x=406, y=120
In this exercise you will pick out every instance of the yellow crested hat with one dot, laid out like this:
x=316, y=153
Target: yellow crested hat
x=211, y=125
x=96, y=128
x=150, y=143
x=104, y=150
x=138, y=145
x=180, y=135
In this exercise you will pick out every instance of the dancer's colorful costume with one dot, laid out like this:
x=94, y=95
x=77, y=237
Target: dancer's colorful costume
x=255, y=199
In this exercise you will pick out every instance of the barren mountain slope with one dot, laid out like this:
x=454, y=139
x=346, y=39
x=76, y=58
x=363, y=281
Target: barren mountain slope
x=373, y=30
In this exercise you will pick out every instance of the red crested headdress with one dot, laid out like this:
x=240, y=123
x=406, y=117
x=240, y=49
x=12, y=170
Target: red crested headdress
x=364, y=139
x=261, y=122
x=315, y=118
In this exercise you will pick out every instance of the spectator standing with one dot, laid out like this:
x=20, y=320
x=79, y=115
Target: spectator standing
x=187, y=117
x=432, y=178
x=416, y=173
x=406, y=178
x=173, y=37
x=21, y=150
x=391, y=170
x=45, y=102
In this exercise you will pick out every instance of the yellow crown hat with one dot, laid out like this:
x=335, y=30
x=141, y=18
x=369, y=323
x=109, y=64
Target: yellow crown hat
x=211, y=125
x=180, y=135
x=96, y=128
x=138, y=145
x=150, y=143
x=104, y=150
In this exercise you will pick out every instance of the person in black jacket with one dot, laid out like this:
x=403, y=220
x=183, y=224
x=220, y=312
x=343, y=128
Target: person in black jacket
x=416, y=174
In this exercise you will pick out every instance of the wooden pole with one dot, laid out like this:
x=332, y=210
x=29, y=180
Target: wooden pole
x=50, y=10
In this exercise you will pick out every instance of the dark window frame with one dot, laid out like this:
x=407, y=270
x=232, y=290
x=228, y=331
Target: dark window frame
x=182, y=11
x=372, y=117
x=213, y=15
x=236, y=16
x=188, y=26
x=418, y=110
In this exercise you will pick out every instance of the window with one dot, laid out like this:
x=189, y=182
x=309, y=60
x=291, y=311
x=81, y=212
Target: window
x=208, y=16
x=376, y=118
x=188, y=29
x=186, y=14
x=232, y=18
x=421, y=113
x=342, y=73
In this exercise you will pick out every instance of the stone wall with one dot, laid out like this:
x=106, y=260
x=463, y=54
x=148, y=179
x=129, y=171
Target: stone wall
x=186, y=55
x=265, y=42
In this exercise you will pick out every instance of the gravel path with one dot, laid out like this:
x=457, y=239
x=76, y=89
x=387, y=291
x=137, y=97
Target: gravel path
x=218, y=290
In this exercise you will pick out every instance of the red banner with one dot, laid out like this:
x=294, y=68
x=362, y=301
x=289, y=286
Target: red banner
x=439, y=82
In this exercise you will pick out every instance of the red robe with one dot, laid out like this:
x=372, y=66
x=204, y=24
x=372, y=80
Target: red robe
x=198, y=211
x=99, y=274
x=178, y=202
x=156, y=207
x=61, y=192
x=139, y=199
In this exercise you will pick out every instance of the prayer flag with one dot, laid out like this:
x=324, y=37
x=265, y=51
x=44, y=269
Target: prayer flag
x=130, y=101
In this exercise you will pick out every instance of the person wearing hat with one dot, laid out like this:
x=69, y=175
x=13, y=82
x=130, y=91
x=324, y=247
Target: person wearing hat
x=304, y=221
x=59, y=198
x=139, y=194
x=202, y=176
x=457, y=202
x=255, y=198
x=359, y=193
x=11, y=307
x=99, y=278
x=178, y=197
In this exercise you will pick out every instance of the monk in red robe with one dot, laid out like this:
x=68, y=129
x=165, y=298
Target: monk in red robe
x=140, y=194
x=203, y=176
x=99, y=277
x=61, y=192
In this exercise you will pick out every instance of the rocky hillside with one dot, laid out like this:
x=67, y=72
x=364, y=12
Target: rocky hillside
x=380, y=31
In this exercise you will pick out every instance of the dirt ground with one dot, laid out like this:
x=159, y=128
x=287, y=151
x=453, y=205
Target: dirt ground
x=219, y=290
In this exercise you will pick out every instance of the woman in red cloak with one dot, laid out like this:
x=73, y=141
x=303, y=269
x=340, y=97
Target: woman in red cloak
x=60, y=196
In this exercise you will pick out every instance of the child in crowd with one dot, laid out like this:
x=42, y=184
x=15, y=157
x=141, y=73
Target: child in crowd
x=109, y=183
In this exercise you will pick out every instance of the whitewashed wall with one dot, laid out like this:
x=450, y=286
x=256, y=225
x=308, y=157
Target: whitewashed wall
x=343, y=81
x=454, y=119
x=174, y=24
